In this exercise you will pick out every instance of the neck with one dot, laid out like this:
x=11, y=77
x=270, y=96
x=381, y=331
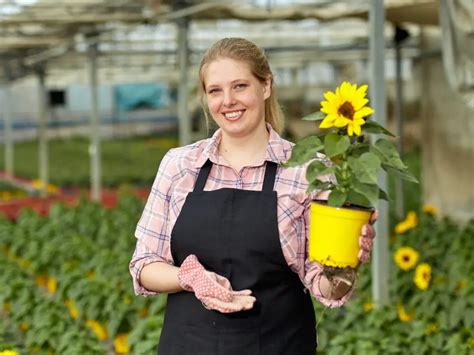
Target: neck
x=241, y=151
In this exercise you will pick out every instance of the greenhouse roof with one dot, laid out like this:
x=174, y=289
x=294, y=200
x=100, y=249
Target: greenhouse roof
x=33, y=32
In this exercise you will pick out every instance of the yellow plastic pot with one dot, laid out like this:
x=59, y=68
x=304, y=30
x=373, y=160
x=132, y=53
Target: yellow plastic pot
x=334, y=234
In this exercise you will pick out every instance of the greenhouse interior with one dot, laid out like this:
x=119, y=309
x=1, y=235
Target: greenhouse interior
x=95, y=93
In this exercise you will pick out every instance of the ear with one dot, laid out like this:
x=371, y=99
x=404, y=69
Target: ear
x=267, y=88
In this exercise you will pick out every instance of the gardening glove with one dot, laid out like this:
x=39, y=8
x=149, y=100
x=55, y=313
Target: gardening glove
x=366, y=239
x=214, y=291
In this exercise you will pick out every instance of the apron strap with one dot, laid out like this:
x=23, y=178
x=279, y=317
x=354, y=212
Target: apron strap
x=202, y=177
x=270, y=173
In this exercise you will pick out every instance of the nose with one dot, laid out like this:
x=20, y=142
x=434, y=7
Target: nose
x=229, y=99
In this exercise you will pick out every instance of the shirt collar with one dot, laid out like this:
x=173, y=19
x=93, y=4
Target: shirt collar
x=275, y=149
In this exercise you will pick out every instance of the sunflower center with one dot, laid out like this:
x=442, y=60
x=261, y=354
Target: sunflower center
x=406, y=258
x=346, y=110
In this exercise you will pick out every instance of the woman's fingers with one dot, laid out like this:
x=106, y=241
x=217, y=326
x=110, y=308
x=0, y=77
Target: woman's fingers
x=368, y=231
x=238, y=303
x=366, y=243
x=374, y=216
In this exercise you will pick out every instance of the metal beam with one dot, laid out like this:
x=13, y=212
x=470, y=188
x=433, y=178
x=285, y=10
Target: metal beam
x=42, y=131
x=184, y=119
x=8, y=129
x=94, y=147
x=380, y=261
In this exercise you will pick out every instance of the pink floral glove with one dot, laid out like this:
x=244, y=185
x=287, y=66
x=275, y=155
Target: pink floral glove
x=366, y=239
x=214, y=291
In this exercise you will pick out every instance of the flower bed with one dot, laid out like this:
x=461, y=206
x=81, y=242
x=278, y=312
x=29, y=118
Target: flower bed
x=66, y=288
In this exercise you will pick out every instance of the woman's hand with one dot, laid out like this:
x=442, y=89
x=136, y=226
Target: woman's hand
x=366, y=239
x=214, y=291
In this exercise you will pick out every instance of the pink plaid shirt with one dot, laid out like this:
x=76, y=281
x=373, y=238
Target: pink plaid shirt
x=176, y=176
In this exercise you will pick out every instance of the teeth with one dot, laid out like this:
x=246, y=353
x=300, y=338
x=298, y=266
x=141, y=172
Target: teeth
x=233, y=114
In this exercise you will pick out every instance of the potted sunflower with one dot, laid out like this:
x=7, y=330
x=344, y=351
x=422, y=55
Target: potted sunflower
x=355, y=161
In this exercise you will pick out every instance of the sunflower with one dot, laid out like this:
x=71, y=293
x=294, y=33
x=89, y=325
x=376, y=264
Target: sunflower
x=72, y=308
x=121, y=345
x=406, y=258
x=8, y=352
x=99, y=330
x=430, y=209
x=403, y=315
x=422, y=276
x=346, y=107
x=410, y=222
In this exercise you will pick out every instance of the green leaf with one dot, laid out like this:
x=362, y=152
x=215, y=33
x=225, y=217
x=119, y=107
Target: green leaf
x=369, y=191
x=383, y=195
x=335, y=144
x=388, y=153
x=317, y=168
x=356, y=198
x=318, y=185
x=304, y=151
x=337, y=198
x=404, y=174
x=315, y=116
x=365, y=167
x=373, y=127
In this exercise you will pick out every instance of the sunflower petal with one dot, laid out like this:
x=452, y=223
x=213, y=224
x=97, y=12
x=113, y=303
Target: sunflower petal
x=364, y=111
x=341, y=122
x=359, y=103
x=330, y=96
x=349, y=129
x=357, y=129
x=328, y=122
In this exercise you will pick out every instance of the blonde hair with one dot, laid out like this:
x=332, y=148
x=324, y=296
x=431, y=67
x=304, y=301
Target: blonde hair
x=243, y=50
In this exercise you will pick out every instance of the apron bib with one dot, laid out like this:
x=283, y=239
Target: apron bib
x=234, y=233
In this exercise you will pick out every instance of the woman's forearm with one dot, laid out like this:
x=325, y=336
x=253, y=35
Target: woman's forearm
x=160, y=277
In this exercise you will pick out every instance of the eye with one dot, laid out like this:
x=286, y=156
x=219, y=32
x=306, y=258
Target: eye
x=213, y=91
x=241, y=86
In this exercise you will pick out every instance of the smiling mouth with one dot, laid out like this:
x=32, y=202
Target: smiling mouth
x=232, y=116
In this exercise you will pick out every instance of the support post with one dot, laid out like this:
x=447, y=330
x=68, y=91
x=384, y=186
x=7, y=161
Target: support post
x=42, y=131
x=7, y=126
x=377, y=92
x=184, y=119
x=94, y=147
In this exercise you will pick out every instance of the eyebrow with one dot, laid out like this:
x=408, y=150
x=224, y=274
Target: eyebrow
x=232, y=82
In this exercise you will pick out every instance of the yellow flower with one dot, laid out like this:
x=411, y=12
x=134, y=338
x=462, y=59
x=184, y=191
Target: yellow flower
x=41, y=280
x=403, y=315
x=143, y=312
x=99, y=330
x=368, y=307
x=24, y=326
x=346, y=107
x=461, y=284
x=470, y=342
x=52, y=285
x=72, y=308
x=121, y=345
x=431, y=328
x=422, y=276
x=406, y=258
x=430, y=209
x=411, y=221
x=8, y=352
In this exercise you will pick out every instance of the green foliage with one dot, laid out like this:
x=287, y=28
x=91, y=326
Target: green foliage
x=354, y=161
x=87, y=250
x=442, y=315
x=131, y=160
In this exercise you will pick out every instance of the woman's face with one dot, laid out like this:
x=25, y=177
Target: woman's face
x=235, y=98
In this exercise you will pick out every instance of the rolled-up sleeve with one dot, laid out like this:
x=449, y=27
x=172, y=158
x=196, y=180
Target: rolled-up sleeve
x=152, y=231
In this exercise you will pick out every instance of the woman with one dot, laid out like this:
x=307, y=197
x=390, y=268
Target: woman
x=224, y=229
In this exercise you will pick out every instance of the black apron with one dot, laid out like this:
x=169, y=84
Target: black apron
x=234, y=233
